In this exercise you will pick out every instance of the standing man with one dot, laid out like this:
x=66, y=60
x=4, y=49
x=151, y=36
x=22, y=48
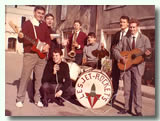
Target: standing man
x=56, y=81
x=124, y=23
x=55, y=41
x=77, y=41
x=133, y=76
x=33, y=29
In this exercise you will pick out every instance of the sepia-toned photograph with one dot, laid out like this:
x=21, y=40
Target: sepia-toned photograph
x=80, y=60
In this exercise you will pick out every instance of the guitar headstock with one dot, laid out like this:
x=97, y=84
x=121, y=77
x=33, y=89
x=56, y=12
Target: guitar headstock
x=13, y=26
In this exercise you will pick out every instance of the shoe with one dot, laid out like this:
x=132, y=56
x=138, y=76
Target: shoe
x=139, y=114
x=45, y=102
x=129, y=111
x=124, y=111
x=39, y=104
x=19, y=104
x=59, y=101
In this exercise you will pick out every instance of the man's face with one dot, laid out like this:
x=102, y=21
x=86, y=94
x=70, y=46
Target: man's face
x=133, y=28
x=77, y=26
x=57, y=58
x=124, y=24
x=91, y=39
x=39, y=14
x=49, y=21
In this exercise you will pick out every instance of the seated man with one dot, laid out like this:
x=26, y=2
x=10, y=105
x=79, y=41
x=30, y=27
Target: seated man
x=56, y=81
x=90, y=59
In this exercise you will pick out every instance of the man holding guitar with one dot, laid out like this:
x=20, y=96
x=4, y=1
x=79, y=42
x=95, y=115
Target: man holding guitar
x=36, y=42
x=132, y=76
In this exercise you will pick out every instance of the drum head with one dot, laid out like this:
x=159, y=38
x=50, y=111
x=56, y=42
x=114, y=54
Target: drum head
x=74, y=70
x=93, y=89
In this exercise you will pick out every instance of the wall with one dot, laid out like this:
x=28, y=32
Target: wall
x=14, y=14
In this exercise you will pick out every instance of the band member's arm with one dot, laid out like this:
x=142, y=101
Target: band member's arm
x=25, y=30
x=117, y=49
x=82, y=42
x=148, y=50
x=67, y=82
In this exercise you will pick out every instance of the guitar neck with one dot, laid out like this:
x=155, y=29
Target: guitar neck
x=30, y=39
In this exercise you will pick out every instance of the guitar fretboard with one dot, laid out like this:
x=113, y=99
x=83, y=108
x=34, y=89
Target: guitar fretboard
x=30, y=39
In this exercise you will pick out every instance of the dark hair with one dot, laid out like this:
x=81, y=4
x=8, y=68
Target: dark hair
x=92, y=34
x=39, y=8
x=78, y=21
x=58, y=50
x=133, y=20
x=49, y=14
x=125, y=17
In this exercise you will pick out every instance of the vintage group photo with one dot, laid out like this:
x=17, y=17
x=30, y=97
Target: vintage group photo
x=80, y=60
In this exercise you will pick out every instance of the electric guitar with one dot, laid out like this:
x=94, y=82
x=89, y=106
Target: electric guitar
x=37, y=44
x=134, y=57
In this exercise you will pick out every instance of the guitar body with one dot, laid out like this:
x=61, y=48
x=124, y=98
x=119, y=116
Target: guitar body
x=134, y=57
x=38, y=49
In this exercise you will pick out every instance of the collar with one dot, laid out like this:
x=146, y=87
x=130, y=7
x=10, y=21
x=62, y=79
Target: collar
x=35, y=22
x=136, y=35
x=77, y=32
x=125, y=31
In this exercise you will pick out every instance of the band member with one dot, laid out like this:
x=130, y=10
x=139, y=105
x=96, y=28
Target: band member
x=135, y=73
x=34, y=29
x=76, y=43
x=55, y=42
x=56, y=81
x=89, y=59
x=124, y=23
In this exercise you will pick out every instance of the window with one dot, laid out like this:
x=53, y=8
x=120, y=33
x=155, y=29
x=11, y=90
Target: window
x=12, y=43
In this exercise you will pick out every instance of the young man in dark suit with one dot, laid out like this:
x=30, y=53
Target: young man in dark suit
x=124, y=23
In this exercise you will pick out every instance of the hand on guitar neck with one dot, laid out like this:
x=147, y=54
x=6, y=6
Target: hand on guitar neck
x=20, y=35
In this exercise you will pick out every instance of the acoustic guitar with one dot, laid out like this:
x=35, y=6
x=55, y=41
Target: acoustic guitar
x=135, y=56
x=37, y=44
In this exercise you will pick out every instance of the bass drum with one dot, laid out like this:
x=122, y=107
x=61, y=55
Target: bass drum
x=74, y=70
x=93, y=89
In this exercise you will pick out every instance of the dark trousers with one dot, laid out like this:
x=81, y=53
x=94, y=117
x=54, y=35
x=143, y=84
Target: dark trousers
x=47, y=91
x=78, y=58
x=115, y=79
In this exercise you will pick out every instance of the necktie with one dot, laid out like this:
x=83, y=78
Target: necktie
x=133, y=43
x=122, y=34
x=75, y=37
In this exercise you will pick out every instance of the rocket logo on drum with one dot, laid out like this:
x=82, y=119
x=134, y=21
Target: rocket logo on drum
x=93, y=89
x=92, y=96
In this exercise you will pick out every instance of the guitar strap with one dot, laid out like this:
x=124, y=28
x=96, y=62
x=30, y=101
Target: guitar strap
x=35, y=34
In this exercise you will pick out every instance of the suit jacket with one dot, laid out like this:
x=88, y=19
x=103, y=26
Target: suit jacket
x=125, y=44
x=81, y=40
x=115, y=40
